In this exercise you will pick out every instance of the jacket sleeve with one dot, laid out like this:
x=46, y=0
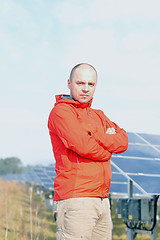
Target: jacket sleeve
x=63, y=122
x=114, y=143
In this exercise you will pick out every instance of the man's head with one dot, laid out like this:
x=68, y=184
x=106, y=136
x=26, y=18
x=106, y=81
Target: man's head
x=82, y=82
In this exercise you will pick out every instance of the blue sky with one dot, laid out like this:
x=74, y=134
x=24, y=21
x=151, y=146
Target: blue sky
x=41, y=40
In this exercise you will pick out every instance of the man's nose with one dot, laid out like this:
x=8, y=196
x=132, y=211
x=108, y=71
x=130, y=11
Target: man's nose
x=85, y=88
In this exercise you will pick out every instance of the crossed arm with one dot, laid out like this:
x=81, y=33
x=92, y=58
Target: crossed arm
x=78, y=139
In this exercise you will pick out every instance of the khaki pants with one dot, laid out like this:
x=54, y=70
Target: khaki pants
x=86, y=218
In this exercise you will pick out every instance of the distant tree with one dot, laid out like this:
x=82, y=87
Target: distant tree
x=10, y=165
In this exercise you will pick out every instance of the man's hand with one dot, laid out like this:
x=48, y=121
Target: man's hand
x=111, y=131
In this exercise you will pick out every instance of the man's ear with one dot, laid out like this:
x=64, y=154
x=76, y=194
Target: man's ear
x=69, y=83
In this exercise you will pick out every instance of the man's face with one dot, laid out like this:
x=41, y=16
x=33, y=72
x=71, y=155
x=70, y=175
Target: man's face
x=83, y=84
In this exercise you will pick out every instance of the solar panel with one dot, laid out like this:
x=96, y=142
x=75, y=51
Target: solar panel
x=140, y=163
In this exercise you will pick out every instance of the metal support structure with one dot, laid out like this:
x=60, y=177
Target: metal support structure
x=154, y=233
x=130, y=189
x=130, y=232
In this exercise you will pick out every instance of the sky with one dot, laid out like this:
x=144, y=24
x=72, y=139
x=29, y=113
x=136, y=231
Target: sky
x=41, y=40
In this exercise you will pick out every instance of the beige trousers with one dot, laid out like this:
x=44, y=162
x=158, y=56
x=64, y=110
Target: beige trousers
x=86, y=218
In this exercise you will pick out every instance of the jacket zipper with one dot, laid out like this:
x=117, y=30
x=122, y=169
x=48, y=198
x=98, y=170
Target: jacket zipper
x=103, y=181
x=101, y=163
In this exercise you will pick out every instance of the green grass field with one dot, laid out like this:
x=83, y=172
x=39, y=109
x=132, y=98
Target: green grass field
x=23, y=216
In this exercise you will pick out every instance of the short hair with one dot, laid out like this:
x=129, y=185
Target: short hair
x=77, y=66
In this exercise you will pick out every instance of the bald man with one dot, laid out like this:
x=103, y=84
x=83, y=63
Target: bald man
x=83, y=140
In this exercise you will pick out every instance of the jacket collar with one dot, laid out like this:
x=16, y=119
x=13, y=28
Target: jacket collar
x=62, y=98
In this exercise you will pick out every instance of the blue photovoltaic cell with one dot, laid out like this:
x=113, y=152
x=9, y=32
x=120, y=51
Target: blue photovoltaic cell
x=153, y=139
x=138, y=165
x=114, y=169
x=48, y=185
x=118, y=188
x=37, y=170
x=42, y=175
x=51, y=174
x=133, y=138
x=149, y=184
x=44, y=179
x=118, y=178
x=141, y=151
x=28, y=177
x=49, y=169
x=47, y=181
x=52, y=178
x=122, y=188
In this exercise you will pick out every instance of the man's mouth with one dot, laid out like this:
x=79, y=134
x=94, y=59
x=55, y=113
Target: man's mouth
x=83, y=95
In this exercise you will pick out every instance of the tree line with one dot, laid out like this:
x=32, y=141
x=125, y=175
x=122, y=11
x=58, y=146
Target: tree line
x=13, y=165
x=10, y=165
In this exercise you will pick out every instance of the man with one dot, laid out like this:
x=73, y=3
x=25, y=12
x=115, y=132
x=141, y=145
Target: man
x=83, y=140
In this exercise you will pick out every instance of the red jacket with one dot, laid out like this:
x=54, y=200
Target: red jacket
x=82, y=149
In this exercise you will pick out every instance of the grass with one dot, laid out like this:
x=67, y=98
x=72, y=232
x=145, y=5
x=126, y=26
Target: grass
x=23, y=216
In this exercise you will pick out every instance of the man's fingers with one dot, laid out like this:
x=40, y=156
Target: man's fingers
x=111, y=131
